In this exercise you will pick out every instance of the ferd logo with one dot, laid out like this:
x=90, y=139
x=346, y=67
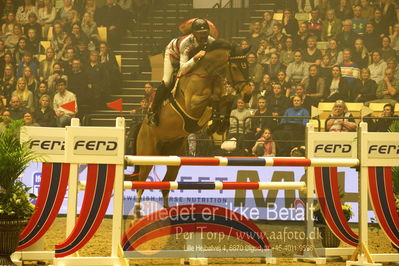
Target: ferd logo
x=323, y=149
x=48, y=145
x=95, y=146
x=383, y=150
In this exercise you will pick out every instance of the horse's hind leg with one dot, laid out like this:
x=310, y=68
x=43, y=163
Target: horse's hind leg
x=170, y=175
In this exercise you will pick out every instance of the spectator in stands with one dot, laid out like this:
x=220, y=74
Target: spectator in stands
x=347, y=37
x=46, y=66
x=392, y=63
x=307, y=100
x=387, y=90
x=340, y=119
x=58, y=37
x=46, y=16
x=265, y=88
x=90, y=7
x=30, y=79
x=349, y=69
x=314, y=84
x=382, y=124
x=360, y=54
x=255, y=36
x=278, y=37
x=302, y=36
x=62, y=13
x=331, y=26
x=395, y=39
x=63, y=96
x=78, y=84
x=315, y=24
x=372, y=40
x=29, y=120
x=16, y=109
x=24, y=94
x=137, y=120
x=380, y=23
x=295, y=110
x=332, y=52
x=9, y=7
x=8, y=25
x=20, y=50
x=66, y=59
x=260, y=123
x=149, y=92
x=45, y=115
x=267, y=24
x=72, y=18
x=42, y=89
x=358, y=22
x=33, y=41
x=389, y=15
x=377, y=67
x=344, y=10
x=108, y=59
x=56, y=74
x=386, y=49
x=240, y=125
x=98, y=79
x=367, y=10
x=89, y=27
x=298, y=70
x=7, y=82
x=287, y=54
x=364, y=89
x=290, y=24
x=285, y=85
x=311, y=54
x=33, y=24
x=273, y=67
x=12, y=40
x=23, y=12
x=337, y=88
x=78, y=34
x=265, y=146
x=111, y=16
x=254, y=68
x=83, y=53
x=264, y=52
x=277, y=101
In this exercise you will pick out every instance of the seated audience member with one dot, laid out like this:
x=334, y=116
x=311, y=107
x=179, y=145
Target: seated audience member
x=360, y=55
x=42, y=89
x=27, y=61
x=63, y=96
x=364, y=88
x=371, y=39
x=340, y=119
x=7, y=82
x=240, y=125
x=367, y=9
x=72, y=19
x=325, y=68
x=382, y=124
x=331, y=26
x=58, y=37
x=349, y=69
x=343, y=9
x=44, y=114
x=30, y=79
x=315, y=23
x=295, y=110
x=29, y=120
x=89, y=27
x=273, y=67
x=46, y=66
x=255, y=70
x=287, y=54
x=307, y=100
x=16, y=109
x=333, y=52
x=267, y=24
x=33, y=24
x=285, y=85
x=387, y=90
x=46, y=15
x=377, y=67
x=386, y=50
x=314, y=84
x=395, y=38
x=62, y=13
x=260, y=123
x=24, y=94
x=337, y=88
x=255, y=36
x=265, y=87
x=78, y=84
x=347, y=37
x=311, y=54
x=277, y=101
x=12, y=39
x=23, y=12
x=380, y=23
x=290, y=24
x=265, y=146
x=78, y=34
x=243, y=48
x=8, y=24
x=278, y=37
x=33, y=41
x=298, y=70
x=20, y=50
x=392, y=63
x=302, y=36
x=358, y=22
x=56, y=74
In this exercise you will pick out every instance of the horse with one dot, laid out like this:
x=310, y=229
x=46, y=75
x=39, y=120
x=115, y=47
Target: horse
x=197, y=94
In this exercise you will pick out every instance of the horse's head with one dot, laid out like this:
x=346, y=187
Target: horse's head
x=238, y=76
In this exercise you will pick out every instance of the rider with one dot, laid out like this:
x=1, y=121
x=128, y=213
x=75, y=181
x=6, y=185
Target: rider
x=181, y=54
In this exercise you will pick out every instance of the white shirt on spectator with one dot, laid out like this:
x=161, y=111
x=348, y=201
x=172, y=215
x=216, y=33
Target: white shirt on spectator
x=63, y=99
x=377, y=71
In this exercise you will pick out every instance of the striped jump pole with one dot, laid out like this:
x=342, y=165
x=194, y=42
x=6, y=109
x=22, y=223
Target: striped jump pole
x=240, y=161
x=210, y=185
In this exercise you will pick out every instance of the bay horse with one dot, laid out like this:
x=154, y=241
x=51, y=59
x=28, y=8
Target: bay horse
x=190, y=109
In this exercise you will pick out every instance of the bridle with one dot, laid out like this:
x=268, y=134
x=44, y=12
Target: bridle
x=240, y=84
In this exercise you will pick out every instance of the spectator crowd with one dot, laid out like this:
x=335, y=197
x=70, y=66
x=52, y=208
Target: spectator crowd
x=52, y=56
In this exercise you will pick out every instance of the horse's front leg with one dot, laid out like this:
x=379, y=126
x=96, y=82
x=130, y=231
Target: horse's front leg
x=170, y=175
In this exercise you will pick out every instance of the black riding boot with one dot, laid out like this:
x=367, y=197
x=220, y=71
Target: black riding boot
x=161, y=94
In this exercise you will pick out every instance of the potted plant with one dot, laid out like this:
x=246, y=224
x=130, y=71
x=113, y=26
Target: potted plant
x=328, y=239
x=15, y=205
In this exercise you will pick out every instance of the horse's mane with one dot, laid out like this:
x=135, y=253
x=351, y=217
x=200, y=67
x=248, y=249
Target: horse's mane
x=218, y=44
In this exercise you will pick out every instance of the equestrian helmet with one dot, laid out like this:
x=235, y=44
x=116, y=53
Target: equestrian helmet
x=200, y=25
